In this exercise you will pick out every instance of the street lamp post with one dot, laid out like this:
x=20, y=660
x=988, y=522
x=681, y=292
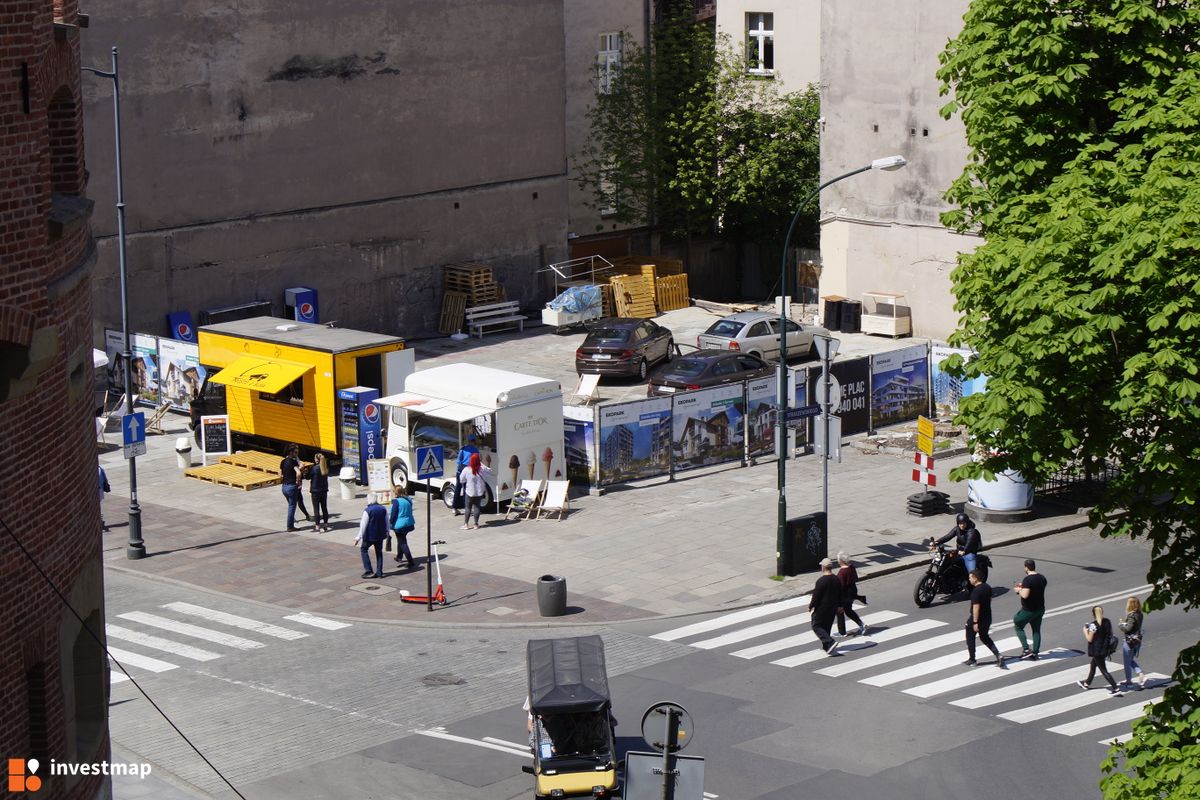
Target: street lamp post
x=135, y=548
x=782, y=546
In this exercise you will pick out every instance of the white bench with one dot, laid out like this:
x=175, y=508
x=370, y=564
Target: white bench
x=485, y=316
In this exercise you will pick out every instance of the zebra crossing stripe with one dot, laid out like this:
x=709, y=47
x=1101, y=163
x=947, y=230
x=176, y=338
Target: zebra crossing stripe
x=158, y=643
x=195, y=631
x=736, y=617
x=1080, y=699
x=304, y=618
x=915, y=671
x=1124, y=737
x=867, y=662
x=753, y=632
x=801, y=639
x=234, y=621
x=116, y=676
x=129, y=659
x=1017, y=691
x=1114, y=717
x=986, y=671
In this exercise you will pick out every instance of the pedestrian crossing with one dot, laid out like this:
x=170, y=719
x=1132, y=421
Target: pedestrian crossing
x=922, y=658
x=142, y=641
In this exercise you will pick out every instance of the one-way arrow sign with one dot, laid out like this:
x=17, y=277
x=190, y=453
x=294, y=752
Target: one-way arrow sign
x=133, y=434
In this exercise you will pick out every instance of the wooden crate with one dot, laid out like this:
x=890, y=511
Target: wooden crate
x=454, y=307
x=634, y=296
x=671, y=292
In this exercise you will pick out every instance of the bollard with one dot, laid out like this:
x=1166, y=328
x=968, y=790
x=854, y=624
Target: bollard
x=183, y=451
x=347, y=479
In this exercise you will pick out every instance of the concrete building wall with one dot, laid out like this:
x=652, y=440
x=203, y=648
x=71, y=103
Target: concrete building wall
x=349, y=147
x=53, y=674
x=879, y=96
x=797, y=25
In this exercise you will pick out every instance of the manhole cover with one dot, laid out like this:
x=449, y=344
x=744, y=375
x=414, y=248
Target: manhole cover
x=372, y=588
x=442, y=679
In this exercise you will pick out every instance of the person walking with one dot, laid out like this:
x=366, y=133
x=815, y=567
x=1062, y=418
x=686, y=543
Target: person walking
x=372, y=532
x=980, y=620
x=1131, y=626
x=824, y=605
x=105, y=488
x=847, y=578
x=1032, y=590
x=1097, y=632
x=401, y=521
x=475, y=486
x=318, y=488
x=464, y=459
x=289, y=471
x=968, y=541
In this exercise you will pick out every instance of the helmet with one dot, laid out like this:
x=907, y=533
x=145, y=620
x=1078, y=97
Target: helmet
x=961, y=518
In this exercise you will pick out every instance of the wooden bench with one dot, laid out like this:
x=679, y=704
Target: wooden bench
x=485, y=316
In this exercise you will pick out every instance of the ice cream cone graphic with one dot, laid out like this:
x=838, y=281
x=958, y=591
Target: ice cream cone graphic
x=547, y=458
x=532, y=463
x=514, y=463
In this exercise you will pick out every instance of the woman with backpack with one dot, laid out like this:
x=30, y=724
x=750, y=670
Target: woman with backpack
x=1099, y=635
x=1131, y=626
x=401, y=521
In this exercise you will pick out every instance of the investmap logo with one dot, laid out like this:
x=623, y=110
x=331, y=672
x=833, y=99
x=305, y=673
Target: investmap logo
x=22, y=775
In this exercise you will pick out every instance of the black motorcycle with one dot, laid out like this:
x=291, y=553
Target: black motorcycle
x=947, y=574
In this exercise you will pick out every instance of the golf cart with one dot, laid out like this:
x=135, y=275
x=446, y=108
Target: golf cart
x=573, y=749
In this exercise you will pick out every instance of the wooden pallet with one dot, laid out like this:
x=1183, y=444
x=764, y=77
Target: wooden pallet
x=632, y=265
x=257, y=461
x=463, y=277
x=671, y=292
x=454, y=308
x=607, y=306
x=634, y=296
x=237, y=477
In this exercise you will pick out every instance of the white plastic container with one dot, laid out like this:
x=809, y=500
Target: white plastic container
x=347, y=478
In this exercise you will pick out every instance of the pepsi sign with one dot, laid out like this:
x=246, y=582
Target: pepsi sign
x=371, y=413
x=179, y=323
x=308, y=312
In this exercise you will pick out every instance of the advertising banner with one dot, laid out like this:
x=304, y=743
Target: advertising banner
x=707, y=426
x=899, y=385
x=947, y=389
x=579, y=444
x=855, y=378
x=799, y=434
x=760, y=416
x=182, y=375
x=635, y=440
x=144, y=368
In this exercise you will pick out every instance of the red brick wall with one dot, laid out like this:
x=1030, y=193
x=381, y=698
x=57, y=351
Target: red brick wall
x=48, y=496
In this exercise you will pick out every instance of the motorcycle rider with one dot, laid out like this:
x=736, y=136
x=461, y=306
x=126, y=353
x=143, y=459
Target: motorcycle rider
x=968, y=541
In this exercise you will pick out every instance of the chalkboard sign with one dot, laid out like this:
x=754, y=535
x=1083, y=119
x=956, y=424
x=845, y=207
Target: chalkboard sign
x=215, y=438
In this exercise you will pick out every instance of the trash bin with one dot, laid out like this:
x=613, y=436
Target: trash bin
x=833, y=312
x=809, y=540
x=183, y=451
x=347, y=479
x=552, y=595
x=851, y=316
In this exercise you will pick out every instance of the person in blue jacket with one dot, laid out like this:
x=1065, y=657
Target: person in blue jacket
x=464, y=458
x=401, y=521
x=372, y=533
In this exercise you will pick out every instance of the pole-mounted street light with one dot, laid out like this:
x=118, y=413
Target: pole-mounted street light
x=135, y=548
x=782, y=548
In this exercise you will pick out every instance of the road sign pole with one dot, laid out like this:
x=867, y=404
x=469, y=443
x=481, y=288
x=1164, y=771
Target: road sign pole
x=429, y=546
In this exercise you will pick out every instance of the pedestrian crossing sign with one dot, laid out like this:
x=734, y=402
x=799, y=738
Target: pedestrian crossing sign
x=429, y=462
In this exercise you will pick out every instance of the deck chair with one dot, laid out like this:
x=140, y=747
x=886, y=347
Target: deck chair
x=154, y=421
x=555, y=500
x=110, y=420
x=526, y=498
x=588, y=390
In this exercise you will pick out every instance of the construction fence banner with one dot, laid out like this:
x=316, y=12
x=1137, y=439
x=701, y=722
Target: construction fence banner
x=801, y=434
x=899, y=385
x=635, y=440
x=947, y=389
x=182, y=377
x=761, y=402
x=855, y=377
x=708, y=427
x=143, y=365
x=579, y=445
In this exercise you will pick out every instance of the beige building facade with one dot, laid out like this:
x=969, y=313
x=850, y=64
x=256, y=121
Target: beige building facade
x=880, y=231
x=781, y=38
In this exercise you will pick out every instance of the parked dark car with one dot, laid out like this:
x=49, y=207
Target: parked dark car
x=619, y=346
x=705, y=368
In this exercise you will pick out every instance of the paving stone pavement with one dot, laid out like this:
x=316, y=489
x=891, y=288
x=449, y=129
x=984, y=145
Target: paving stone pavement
x=705, y=541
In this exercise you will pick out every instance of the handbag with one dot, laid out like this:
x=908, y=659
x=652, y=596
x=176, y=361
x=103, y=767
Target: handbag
x=387, y=544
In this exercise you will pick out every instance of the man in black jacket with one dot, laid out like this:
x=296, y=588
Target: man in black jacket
x=826, y=602
x=968, y=542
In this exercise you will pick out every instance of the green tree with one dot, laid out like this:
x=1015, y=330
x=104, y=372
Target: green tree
x=1083, y=304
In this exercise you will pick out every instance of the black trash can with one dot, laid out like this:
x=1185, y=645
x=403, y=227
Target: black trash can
x=809, y=543
x=851, y=316
x=832, y=316
x=552, y=596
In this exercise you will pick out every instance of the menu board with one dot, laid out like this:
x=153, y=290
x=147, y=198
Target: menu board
x=214, y=436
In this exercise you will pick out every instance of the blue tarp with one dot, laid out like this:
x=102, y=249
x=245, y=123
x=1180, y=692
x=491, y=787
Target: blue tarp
x=578, y=299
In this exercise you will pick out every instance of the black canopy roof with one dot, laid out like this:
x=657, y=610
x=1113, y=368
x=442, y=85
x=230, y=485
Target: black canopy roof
x=567, y=676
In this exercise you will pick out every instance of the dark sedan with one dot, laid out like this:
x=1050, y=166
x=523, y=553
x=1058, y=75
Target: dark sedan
x=617, y=346
x=705, y=368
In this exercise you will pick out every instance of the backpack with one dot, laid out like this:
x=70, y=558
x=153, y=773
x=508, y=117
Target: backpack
x=1110, y=644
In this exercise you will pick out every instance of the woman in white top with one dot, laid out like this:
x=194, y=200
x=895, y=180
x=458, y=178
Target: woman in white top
x=475, y=486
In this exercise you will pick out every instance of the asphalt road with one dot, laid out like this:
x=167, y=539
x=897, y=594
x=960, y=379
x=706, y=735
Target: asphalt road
x=379, y=711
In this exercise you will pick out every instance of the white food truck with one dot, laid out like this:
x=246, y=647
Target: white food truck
x=517, y=421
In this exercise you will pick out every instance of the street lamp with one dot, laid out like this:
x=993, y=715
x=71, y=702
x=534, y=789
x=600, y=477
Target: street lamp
x=782, y=546
x=135, y=548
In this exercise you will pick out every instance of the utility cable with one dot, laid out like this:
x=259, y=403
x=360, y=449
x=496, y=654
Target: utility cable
x=29, y=557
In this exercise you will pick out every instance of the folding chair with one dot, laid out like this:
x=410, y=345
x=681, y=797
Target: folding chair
x=555, y=500
x=154, y=422
x=532, y=492
x=588, y=390
x=110, y=420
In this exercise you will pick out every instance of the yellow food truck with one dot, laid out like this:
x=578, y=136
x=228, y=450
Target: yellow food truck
x=282, y=381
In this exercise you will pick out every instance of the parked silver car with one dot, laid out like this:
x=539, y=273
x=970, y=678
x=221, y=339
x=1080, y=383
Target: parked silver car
x=757, y=333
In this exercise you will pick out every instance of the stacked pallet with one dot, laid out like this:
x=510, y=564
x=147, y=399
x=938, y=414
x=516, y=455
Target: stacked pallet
x=466, y=285
x=641, y=286
x=671, y=292
x=633, y=295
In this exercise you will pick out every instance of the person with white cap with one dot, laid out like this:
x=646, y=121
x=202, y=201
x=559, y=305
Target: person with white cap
x=824, y=606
